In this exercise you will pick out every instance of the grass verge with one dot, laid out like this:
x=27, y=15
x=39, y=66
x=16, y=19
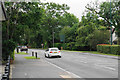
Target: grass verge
x=31, y=57
x=22, y=53
x=93, y=52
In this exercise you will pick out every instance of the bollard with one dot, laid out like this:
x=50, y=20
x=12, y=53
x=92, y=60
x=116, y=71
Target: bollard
x=36, y=54
x=26, y=52
x=32, y=53
x=17, y=50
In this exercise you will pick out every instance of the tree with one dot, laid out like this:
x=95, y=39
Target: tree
x=97, y=37
x=110, y=13
x=82, y=33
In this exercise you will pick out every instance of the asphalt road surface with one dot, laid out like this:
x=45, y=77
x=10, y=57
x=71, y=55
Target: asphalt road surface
x=70, y=65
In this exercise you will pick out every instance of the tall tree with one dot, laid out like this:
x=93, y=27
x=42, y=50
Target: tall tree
x=110, y=13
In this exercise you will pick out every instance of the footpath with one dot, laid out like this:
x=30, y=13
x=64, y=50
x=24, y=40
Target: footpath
x=1, y=70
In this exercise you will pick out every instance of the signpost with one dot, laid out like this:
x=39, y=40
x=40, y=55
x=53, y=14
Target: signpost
x=62, y=39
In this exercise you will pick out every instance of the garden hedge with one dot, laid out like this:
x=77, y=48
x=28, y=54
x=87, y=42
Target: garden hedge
x=109, y=49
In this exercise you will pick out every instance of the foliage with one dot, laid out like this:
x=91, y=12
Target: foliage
x=8, y=47
x=22, y=53
x=31, y=57
x=109, y=49
x=97, y=37
x=58, y=45
x=33, y=23
x=82, y=33
x=109, y=12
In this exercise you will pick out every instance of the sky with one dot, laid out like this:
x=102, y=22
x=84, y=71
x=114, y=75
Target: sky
x=77, y=7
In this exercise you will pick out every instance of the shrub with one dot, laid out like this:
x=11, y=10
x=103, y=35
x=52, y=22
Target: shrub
x=8, y=47
x=58, y=45
x=109, y=49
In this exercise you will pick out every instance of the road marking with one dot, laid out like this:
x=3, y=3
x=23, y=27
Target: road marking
x=65, y=76
x=83, y=61
x=25, y=74
x=106, y=67
x=75, y=76
x=110, y=68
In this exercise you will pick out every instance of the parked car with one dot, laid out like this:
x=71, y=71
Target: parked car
x=23, y=48
x=50, y=52
x=19, y=47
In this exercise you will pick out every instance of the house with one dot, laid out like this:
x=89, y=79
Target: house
x=114, y=36
x=3, y=16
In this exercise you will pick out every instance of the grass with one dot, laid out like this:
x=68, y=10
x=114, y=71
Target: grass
x=22, y=53
x=31, y=57
x=93, y=52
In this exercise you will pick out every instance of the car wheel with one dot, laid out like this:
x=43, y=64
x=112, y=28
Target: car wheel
x=48, y=56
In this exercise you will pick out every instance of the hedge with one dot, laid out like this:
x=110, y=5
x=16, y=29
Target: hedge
x=8, y=47
x=109, y=49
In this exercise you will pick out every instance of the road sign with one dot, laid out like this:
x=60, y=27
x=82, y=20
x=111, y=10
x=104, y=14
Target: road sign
x=62, y=37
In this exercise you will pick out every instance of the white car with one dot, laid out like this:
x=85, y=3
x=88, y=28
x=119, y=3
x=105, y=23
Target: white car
x=50, y=52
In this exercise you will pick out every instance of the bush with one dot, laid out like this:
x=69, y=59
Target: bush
x=83, y=48
x=8, y=47
x=58, y=45
x=109, y=49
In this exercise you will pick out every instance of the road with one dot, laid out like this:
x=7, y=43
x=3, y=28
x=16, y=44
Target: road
x=71, y=65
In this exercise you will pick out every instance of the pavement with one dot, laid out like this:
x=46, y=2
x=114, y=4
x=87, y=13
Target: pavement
x=1, y=70
x=71, y=65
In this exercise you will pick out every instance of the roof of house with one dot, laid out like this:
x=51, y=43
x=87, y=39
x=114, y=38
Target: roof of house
x=3, y=9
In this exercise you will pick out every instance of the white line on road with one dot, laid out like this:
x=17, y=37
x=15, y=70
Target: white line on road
x=109, y=68
x=83, y=61
x=106, y=67
x=25, y=74
x=75, y=76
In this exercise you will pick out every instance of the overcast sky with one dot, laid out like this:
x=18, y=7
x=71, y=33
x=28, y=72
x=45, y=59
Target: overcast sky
x=77, y=7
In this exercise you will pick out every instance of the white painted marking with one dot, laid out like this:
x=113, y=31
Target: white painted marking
x=25, y=74
x=65, y=76
x=75, y=76
x=109, y=68
x=83, y=61
x=83, y=57
x=106, y=67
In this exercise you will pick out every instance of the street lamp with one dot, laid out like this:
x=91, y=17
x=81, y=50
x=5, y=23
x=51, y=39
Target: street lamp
x=53, y=37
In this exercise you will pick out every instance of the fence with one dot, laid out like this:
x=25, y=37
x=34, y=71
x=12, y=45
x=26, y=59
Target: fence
x=6, y=73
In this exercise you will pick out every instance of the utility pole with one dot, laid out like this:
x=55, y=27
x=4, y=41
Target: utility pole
x=53, y=37
x=110, y=25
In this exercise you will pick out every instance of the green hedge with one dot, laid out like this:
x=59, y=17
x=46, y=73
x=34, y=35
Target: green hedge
x=8, y=47
x=58, y=45
x=109, y=49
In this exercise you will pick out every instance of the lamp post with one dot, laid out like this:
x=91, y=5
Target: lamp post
x=110, y=25
x=53, y=37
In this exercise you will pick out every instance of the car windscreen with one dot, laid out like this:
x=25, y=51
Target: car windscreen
x=54, y=50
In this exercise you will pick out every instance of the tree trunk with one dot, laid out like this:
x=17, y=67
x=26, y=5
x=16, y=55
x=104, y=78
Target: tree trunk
x=118, y=40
